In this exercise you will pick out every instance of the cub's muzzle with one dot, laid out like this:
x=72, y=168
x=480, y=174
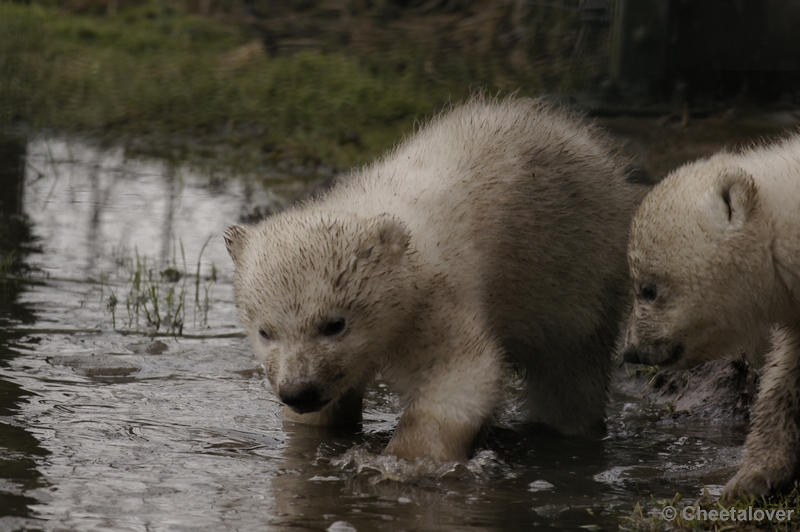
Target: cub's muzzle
x=303, y=397
x=658, y=354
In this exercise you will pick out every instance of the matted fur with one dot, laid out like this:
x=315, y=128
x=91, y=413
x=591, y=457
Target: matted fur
x=718, y=243
x=493, y=237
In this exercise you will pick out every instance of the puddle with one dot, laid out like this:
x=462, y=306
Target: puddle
x=139, y=429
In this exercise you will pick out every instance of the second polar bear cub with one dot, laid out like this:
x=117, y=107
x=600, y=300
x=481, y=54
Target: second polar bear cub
x=715, y=260
x=493, y=239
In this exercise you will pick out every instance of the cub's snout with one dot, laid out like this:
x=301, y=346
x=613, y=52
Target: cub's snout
x=657, y=354
x=303, y=397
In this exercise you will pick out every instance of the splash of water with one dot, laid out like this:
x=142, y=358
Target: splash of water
x=359, y=460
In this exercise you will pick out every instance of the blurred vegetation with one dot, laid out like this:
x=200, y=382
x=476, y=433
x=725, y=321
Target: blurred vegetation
x=647, y=517
x=308, y=82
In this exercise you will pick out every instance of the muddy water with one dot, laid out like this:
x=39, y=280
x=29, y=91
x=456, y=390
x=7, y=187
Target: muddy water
x=117, y=422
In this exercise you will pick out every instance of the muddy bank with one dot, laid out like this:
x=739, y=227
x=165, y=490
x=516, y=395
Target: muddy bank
x=715, y=391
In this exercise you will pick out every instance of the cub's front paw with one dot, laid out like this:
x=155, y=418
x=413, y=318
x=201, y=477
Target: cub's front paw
x=418, y=435
x=755, y=482
x=746, y=486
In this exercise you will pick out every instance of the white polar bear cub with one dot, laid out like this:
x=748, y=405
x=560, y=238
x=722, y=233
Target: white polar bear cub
x=493, y=239
x=715, y=260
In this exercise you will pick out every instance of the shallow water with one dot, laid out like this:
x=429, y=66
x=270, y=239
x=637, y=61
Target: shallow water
x=140, y=429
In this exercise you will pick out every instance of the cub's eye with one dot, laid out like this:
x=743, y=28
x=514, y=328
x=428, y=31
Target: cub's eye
x=334, y=327
x=648, y=292
x=264, y=334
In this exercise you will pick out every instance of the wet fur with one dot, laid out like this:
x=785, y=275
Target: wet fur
x=493, y=238
x=719, y=240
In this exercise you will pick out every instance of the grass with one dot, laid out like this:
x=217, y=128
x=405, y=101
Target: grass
x=168, y=80
x=155, y=298
x=207, y=84
x=647, y=515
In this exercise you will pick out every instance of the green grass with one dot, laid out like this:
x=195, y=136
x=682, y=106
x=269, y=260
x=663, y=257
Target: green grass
x=155, y=298
x=647, y=515
x=170, y=78
x=176, y=81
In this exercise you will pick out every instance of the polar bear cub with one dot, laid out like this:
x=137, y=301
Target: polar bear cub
x=715, y=260
x=491, y=241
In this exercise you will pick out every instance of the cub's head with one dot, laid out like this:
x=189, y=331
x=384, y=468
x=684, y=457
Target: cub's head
x=700, y=263
x=322, y=297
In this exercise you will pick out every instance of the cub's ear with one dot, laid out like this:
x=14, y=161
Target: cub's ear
x=738, y=193
x=235, y=237
x=388, y=236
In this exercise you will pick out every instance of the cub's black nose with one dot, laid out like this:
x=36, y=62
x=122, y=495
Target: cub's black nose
x=302, y=398
x=631, y=356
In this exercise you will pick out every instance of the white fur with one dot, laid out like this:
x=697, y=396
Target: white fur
x=720, y=241
x=492, y=238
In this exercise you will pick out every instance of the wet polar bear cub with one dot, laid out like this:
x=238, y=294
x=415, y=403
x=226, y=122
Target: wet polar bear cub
x=494, y=238
x=715, y=260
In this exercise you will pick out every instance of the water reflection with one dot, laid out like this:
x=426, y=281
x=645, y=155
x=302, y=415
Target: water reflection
x=86, y=204
x=19, y=449
x=105, y=430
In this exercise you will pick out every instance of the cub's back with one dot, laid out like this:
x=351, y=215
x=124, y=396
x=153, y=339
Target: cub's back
x=518, y=204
